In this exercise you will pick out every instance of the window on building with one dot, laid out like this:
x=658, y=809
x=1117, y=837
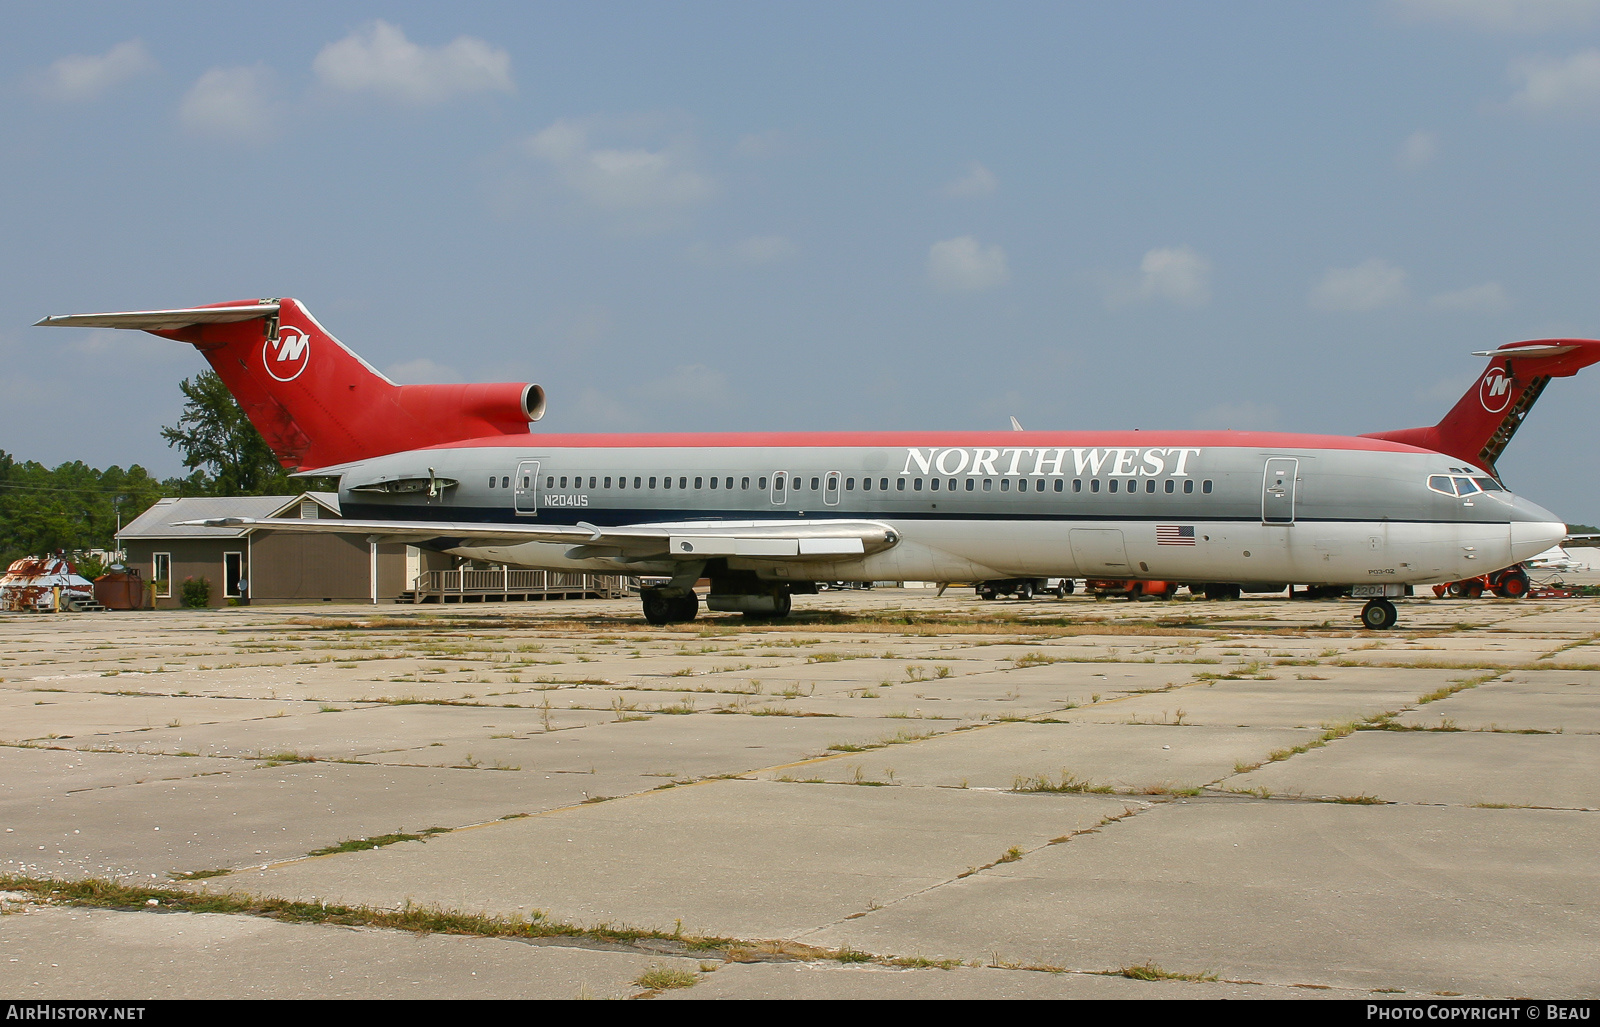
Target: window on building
x=161, y=573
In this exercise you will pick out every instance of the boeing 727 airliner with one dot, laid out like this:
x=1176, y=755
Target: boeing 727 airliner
x=766, y=516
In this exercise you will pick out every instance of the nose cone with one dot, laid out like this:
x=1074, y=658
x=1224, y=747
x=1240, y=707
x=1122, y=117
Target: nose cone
x=1533, y=529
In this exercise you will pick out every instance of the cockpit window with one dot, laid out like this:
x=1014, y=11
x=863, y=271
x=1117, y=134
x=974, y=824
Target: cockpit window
x=1465, y=487
x=1441, y=483
x=1489, y=485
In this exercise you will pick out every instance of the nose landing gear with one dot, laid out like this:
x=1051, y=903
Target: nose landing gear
x=1379, y=615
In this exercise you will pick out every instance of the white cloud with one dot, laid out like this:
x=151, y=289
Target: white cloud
x=1488, y=298
x=1552, y=84
x=962, y=265
x=231, y=103
x=1504, y=15
x=1418, y=151
x=86, y=77
x=380, y=60
x=978, y=181
x=1238, y=416
x=422, y=371
x=1369, y=285
x=619, y=180
x=1175, y=274
x=698, y=393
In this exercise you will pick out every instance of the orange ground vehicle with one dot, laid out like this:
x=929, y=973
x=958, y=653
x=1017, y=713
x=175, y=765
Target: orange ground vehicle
x=1103, y=587
x=1511, y=583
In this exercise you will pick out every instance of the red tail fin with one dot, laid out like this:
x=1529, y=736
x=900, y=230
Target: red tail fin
x=1478, y=427
x=316, y=403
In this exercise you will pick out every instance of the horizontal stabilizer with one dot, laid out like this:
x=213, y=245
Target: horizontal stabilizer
x=162, y=320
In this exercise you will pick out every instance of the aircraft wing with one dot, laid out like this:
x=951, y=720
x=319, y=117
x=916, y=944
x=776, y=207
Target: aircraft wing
x=685, y=540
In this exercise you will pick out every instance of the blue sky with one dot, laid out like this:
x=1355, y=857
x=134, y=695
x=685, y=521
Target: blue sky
x=717, y=216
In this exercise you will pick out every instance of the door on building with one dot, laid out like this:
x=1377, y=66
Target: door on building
x=232, y=574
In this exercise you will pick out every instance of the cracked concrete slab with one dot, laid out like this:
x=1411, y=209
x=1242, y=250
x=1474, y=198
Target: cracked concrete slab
x=1460, y=768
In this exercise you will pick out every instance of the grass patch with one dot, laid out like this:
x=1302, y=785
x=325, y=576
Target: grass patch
x=1067, y=784
x=1152, y=972
x=375, y=842
x=665, y=978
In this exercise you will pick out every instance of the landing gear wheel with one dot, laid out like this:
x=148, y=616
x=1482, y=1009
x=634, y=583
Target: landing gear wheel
x=1379, y=615
x=663, y=609
x=657, y=607
x=783, y=605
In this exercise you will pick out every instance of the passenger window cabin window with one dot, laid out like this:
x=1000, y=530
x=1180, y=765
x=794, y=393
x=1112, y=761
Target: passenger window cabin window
x=933, y=484
x=883, y=484
x=550, y=481
x=849, y=484
x=814, y=484
x=713, y=482
x=866, y=484
x=1133, y=486
x=652, y=482
x=916, y=484
x=744, y=483
x=1005, y=484
x=636, y=481
x=1170, y=484
x=1150, y=486
x=761, y=483
x=1094, y=485
x=1188, y=486
x=1060, y=484
x=697, y=482
x=505, y=482
x=608, y=481
x=900, y=484
x=683, y=483
x=591, y=481
x=1077, y=484
x=972, y=483
x=1112, y=485
x=666, y=482
x=1205, y=486
x=491, y=481
x=563, y=481
x=988, y=484
x=777, y=482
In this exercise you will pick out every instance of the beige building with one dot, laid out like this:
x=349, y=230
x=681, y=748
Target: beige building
x=259, y=565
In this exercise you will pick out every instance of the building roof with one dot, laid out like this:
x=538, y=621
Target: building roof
x=160, y=521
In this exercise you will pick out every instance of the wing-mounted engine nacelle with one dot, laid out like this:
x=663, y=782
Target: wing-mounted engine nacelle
x=502, y=407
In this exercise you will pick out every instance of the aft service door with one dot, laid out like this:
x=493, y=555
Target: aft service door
x=1099, y=552
x=526, y=499
x=1277, y=490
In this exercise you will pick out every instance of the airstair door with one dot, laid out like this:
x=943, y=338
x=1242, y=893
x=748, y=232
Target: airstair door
x=1277, y=490
x=526, y=498
x=1099, y=552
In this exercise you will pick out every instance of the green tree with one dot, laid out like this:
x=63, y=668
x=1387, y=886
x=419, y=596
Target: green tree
x=220, y=444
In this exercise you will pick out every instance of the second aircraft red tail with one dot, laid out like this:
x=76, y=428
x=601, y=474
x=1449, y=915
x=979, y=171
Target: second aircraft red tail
x=1478, y=427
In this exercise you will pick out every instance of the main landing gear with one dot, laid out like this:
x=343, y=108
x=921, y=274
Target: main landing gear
x=1379, y=615
x=660, y=607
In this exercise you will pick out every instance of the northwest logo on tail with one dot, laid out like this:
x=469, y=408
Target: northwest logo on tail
x=1494, y=392
x=287, y=355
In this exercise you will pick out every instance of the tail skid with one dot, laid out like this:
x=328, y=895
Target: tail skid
x=316, y=403
x=1478, y=427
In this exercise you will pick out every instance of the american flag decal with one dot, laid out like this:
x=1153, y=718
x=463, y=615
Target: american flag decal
x=1175, y=534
